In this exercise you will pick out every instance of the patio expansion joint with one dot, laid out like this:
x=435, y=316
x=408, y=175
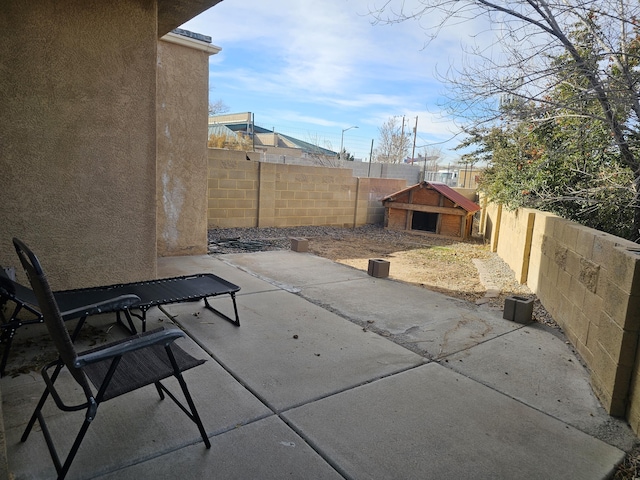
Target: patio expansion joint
x=439, y=359
x=443, y=361
x=279, y=412
x=309, y=441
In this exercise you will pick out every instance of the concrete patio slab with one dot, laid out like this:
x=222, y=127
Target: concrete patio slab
x=429, y=323
x=289, y=351
x=430, y=422
x=432, y=324
x=539, y=369
x=299, y=391
x=135, y=427
x=267, y=449
x=179, y=266
x=293, y=268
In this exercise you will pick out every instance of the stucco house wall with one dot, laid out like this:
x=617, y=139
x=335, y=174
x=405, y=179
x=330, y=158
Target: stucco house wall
x=78, y=137
x=182, y=110
x=78, y=183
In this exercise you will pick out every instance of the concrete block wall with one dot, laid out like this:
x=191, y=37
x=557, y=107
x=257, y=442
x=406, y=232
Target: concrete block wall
x=369, y=208
x=250, y=193
x=590, y=282
x=312, y=196
x=400, y=171
x=519, y=225
x=410, y=173
x=232, y=199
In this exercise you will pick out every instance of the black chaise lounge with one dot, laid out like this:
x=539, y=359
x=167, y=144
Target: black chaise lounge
x=113, y=369
x=83, y=302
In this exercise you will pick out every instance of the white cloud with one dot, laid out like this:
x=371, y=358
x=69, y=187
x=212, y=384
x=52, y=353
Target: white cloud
x=324, y=65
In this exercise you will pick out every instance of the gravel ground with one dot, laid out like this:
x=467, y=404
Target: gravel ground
x=237, y=240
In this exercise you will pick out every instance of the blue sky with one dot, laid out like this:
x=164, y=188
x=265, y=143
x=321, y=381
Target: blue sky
x=312, y=69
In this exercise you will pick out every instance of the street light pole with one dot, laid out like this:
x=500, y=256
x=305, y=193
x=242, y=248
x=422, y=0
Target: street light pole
x=342, y=139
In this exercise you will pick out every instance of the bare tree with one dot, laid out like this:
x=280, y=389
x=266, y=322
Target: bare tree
x=319, y=155
x=218, y=107
x=393, y=143
x=532, y=34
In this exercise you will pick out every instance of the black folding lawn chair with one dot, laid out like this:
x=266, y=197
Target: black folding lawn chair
x=113, y=369
x=83, y=302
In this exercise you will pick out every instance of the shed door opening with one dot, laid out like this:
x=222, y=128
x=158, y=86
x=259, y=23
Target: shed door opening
x=424, y=221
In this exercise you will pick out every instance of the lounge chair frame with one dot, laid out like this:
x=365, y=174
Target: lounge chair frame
x=83, y=302
x=113, y=369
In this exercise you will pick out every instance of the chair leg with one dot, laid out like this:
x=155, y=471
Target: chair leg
x=194, y=412
x=8, y=338
x=74, y=449
x=159, y=389
x=43, y=399
x=235, y=321
x=35, y=415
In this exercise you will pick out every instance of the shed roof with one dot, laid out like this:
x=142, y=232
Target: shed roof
x=442, y=188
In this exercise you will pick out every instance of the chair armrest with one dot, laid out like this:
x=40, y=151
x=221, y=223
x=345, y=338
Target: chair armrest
x=160, y=336
x=110, y=305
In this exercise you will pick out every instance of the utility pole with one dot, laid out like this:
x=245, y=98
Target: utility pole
x=370, y=158
x=402, y=140
x=415, y=134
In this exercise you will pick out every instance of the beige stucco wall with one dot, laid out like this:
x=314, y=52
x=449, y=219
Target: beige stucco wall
x=182, y=100
x=78, y=137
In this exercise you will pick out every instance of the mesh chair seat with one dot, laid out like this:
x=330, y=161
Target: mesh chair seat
x=138, y=368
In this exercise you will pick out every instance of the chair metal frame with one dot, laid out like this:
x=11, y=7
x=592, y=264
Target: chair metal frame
x=100, y=366
x=73, y=303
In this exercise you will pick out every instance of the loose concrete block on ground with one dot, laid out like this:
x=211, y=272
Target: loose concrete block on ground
x=299, y=244
x=378, y=268
x=518, y=309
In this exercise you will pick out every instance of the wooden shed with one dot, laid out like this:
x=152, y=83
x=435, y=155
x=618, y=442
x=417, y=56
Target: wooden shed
x=430, y=207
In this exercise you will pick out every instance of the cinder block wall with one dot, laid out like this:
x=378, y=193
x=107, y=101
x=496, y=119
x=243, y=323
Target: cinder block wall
x=518, y=225
x=590, y=282
x=232, y=198
x=369, y=208
x=245, y=193
x=307, y=195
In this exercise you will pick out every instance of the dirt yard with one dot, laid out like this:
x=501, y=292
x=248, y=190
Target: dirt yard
x=437, y=264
